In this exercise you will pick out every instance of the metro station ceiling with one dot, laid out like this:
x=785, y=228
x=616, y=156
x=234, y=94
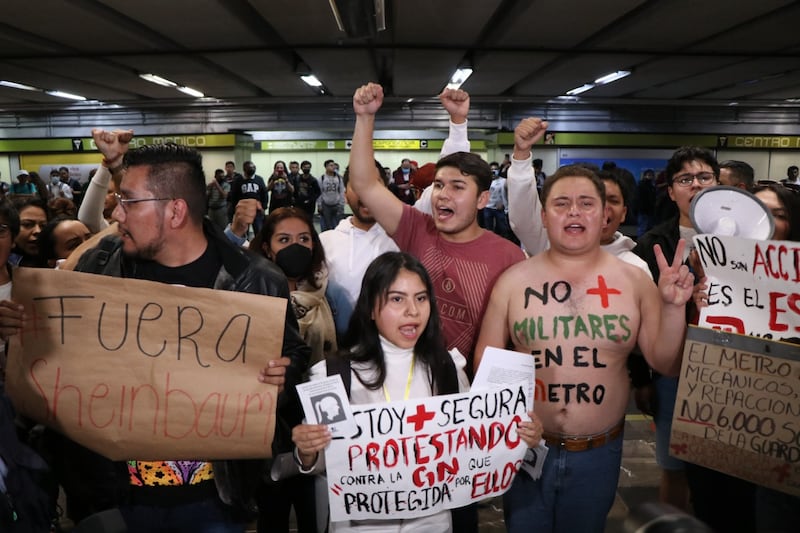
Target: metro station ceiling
x=680, y=52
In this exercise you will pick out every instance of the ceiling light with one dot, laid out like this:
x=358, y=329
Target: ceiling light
x=311, y=80
x=459, y=77
x=582, y=89
x=614, y=76
x=15, y=85
x=191, y=92
x=158, y=80
x=69, y=96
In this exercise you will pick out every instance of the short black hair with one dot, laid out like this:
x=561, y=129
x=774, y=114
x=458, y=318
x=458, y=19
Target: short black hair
x=381, y=173
x=469, y=164
x=685, y=154
x=176, y=171
x=614, y=177
x=10, y=215
x=742, y=172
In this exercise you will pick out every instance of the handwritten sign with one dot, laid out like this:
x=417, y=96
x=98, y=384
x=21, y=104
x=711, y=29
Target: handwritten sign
x=419, y=457
x=140, y=370
x=738, y=408
x=754, y=286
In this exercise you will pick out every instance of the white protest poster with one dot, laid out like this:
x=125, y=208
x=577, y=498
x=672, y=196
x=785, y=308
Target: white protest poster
x=505, y=367
x=754, y=286
x=419, y=457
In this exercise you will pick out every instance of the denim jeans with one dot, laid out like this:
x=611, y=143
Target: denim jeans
x=574, y=494
x=666, y=393
x=206, y=516
x=496, y=220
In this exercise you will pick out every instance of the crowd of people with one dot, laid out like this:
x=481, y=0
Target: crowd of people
x=402, y=298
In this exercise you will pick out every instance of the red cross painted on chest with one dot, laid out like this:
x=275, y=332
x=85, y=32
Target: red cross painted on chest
x=420, y=417
x=602, y=291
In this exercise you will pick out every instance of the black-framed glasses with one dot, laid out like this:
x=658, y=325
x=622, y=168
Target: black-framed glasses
x=686, y=180
x=124, y=202
x=5, y=230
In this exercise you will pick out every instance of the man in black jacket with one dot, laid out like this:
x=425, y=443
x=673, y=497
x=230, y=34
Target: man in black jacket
x=163, y=237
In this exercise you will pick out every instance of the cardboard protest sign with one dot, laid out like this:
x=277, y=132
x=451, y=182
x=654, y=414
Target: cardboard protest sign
x=738, y=408
x=419, y=457
x=140, y=370
x=754, y=286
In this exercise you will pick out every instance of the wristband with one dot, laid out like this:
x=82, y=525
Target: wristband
x=113, y=170
x=304, y=469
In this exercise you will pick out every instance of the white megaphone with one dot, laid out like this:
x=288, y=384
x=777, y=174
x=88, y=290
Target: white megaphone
x=730, y=211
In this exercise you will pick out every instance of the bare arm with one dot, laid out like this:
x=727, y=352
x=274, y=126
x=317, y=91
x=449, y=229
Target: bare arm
x=364, y=178
x=113, y=145
x=663, y=311
x=494, y=328
x=524, y=206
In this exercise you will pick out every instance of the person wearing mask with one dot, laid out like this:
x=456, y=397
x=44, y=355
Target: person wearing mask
x=306, y=189
x=217, y=195
x=288, y=239
x=331, y=200
x=250, y=186
x=401, y=182
x=280, y=187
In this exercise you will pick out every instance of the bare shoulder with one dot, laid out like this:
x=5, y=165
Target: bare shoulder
x=521, y=271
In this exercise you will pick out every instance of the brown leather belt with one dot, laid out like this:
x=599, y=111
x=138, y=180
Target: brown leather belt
x=577, y=443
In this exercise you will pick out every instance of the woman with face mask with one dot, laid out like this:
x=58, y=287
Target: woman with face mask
x=288, y=238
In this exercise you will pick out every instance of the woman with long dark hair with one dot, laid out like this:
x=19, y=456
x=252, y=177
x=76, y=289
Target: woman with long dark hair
x=394, y=349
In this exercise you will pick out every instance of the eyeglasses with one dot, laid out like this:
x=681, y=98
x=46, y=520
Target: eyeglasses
x=5, y=230
x=123, y=202
x=686, y=180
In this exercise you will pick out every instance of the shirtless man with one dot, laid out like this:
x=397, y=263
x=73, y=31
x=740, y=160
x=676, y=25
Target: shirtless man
x=579, y=311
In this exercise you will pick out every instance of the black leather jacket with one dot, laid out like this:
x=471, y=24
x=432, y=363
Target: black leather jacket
x=242, y=272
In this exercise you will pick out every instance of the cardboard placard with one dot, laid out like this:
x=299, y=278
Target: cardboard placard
x=738, y=408
x=754, y=286
x=419, y=457
x=142, y=370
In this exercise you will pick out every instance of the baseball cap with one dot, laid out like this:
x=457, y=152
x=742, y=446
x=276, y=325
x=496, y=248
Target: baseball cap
x=22, y=172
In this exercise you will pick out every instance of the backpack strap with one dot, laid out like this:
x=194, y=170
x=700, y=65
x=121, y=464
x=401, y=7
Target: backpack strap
x=338, y=365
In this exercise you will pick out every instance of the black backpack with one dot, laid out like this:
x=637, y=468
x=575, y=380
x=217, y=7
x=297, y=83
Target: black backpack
x=29, y=502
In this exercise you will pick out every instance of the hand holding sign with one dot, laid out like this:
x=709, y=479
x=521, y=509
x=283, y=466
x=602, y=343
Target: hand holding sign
x=310, y=439
x=11, y=318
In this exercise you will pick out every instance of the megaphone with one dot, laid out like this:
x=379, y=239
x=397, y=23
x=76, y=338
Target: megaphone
x=731, y=211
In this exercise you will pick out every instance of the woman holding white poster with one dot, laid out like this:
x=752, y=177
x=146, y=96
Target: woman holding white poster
x=394, y=350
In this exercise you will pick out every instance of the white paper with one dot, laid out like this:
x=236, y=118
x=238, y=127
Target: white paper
x=501, y=368
x=325, y=401
x=533, y=462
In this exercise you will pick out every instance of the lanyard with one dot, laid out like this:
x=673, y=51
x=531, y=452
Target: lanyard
x=408, y=383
